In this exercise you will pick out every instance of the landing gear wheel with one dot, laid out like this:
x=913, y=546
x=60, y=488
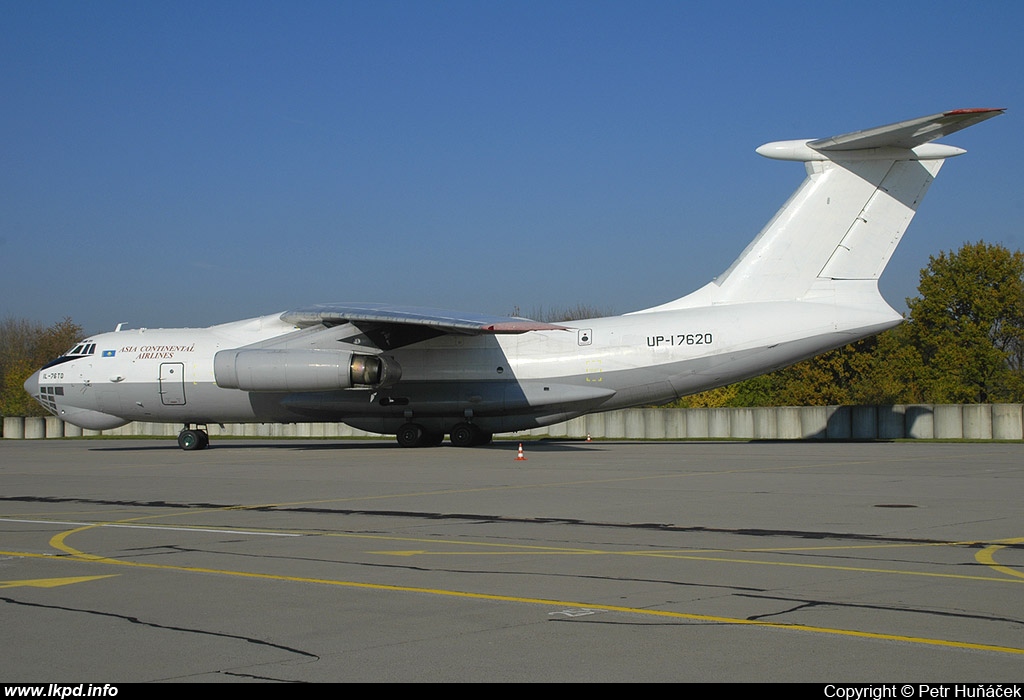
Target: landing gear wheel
x=410, y=435
x=465, y=435
x=189, y=440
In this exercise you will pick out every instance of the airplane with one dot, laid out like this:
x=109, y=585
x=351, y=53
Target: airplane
x=807, y=283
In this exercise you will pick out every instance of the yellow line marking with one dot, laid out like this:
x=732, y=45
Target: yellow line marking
x=58, y=541
x=698, y=555
x=987, y=557
x=33, y=555
x=724, y=560
x=51, y=582
x=176, y=528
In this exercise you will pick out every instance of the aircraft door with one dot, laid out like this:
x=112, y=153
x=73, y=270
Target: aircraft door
x=172, y=383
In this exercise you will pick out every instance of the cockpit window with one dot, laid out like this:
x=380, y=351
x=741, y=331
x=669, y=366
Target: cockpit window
x=81, y=350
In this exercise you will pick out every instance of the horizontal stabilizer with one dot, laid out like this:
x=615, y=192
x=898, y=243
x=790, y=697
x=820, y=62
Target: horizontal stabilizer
x=836, y=234
x=906, y=134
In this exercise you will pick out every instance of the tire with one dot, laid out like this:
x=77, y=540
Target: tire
x=464, y=435
x=190, y=440
x=410, y=435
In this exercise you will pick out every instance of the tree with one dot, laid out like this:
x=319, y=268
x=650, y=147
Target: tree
x=556, y=314
x=25, y=346
x=892, y=373
x=968, y=325
x=963, y=343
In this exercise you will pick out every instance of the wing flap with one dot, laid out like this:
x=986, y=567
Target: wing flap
x=439, y=319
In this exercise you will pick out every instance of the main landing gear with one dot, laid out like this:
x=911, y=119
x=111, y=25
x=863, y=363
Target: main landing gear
x=462, y=435
x=468, y=435
x=193, y=438
x=415, y=435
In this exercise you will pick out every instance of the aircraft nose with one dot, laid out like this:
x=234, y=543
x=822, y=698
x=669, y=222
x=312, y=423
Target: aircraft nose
x=32, y=384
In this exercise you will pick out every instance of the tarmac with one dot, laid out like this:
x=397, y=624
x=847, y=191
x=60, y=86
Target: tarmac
x=324, y=561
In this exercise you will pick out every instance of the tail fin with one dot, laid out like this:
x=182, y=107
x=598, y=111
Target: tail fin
x=846, y=219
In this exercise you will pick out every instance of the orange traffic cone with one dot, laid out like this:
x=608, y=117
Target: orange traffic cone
x=520, y=458
x=588, y=437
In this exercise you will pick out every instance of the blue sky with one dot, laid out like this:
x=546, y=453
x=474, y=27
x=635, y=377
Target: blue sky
x=190, y=163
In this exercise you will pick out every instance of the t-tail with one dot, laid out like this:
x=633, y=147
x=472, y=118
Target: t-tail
x=833, y=238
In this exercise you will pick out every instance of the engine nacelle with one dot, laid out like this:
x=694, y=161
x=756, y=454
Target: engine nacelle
x=302, y=370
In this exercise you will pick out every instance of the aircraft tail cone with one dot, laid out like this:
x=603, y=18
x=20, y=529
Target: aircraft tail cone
x=520, y=458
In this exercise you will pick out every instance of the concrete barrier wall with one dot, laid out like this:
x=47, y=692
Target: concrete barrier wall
x=919, y=422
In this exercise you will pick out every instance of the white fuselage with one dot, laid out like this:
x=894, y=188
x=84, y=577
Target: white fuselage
x=505, y=382
x=805, y=284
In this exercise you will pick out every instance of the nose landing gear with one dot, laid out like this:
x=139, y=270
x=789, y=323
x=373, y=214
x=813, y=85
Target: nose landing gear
x=193, y=438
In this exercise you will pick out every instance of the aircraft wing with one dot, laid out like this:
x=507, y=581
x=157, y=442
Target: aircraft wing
x=439, y=320
x=907, y=134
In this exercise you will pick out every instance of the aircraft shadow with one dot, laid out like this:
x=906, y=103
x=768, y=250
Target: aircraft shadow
x=299, y=444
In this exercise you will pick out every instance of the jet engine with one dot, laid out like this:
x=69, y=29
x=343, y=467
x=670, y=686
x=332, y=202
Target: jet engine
x=302, y=370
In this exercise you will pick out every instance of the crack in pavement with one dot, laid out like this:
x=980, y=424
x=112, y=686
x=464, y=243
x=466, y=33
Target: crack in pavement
x=803, y=604
x=155, y=625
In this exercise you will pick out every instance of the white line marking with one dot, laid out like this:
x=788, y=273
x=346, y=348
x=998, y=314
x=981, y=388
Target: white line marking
x=153, y=527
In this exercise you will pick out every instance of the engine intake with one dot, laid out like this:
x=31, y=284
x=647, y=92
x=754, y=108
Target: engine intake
x=302, y=370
